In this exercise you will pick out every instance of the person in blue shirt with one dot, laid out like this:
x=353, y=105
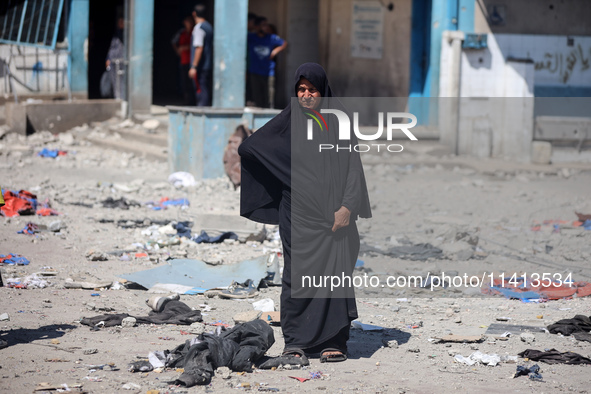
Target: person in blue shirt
x=262, y=49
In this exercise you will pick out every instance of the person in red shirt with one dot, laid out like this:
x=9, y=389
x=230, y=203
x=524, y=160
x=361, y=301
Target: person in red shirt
x=182, y=46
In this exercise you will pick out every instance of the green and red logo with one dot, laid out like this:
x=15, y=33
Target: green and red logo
x=315, y=115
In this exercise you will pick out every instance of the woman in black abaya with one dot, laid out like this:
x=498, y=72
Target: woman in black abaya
x=315, y=197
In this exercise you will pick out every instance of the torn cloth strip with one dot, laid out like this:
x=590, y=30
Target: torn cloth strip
x=174, y=312
x=237, y=349
x=553, y=356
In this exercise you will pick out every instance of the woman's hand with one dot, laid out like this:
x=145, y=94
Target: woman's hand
x=341, y=218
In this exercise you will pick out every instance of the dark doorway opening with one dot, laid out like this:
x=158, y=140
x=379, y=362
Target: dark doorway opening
x=168, y=20
x=103, y=16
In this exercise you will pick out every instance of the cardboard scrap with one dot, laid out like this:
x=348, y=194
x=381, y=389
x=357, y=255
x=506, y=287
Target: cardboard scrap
x=273, y=318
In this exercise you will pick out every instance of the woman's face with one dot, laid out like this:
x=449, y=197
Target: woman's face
x=308, y=95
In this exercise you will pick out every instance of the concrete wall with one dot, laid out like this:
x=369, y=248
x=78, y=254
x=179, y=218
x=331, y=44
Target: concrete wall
x=36, y=68
x=357, y=77
x=554, y=17
x=57, y=116
x=197, y=137
x=561, y=62
x=494, y=114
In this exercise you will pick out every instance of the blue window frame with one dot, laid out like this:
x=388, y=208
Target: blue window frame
x=30, y=22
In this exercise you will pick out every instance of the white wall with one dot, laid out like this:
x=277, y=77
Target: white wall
x=556, y=62
x=43, y=81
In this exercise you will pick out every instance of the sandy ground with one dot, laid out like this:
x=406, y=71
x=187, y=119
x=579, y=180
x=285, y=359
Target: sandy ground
x=423, y=195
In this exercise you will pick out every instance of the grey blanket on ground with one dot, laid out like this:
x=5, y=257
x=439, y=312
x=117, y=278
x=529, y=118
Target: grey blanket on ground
x=174, y=312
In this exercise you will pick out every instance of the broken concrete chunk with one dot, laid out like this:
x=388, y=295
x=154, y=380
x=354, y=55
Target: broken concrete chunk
x=527, y=337
x=247, y=316
x=128, y=322
x=391, y=343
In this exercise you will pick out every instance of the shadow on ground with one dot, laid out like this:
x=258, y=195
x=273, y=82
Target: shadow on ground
x=27, y=335
x=363, y=344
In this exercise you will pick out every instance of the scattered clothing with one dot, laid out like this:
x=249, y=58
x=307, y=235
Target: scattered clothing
x=582, y=336
x=204, y=238
x=579, y=327
x=47, y=212
x=19, y=203
x=30, y=228
x=533, y=372
x=121, y=203
x=173, y=312
x=13, y=259
x=183, y=229
x=553, y=356
x=165, y=202
x=237, y=349
x=52, y=153
x=32, y=281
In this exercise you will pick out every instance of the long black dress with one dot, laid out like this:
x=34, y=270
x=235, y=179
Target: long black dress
x=287, y=181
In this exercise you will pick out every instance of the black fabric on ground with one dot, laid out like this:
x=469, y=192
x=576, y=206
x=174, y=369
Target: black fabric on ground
x=174, y=312
x=579, y=323
x=336, y=179
x=121, y=203
x=533, y=372
x=236, y=349
x=276, y=362
x=582, y=336
x=553, y=356
x=415, y=252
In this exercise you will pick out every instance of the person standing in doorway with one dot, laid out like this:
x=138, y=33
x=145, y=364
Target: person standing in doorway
x=182, y=46
x=262, y=49
x=115, y=62
x=202, y=57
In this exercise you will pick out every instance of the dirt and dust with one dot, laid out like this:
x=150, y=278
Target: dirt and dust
x=486, y=217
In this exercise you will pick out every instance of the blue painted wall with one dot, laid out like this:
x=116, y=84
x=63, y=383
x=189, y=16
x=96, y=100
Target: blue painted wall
x=429, y=19
x=229, y=34
x=197, y=137
x=140, y=56
x=77, y=35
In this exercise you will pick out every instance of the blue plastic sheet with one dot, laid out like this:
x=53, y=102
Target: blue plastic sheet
x=197, y=276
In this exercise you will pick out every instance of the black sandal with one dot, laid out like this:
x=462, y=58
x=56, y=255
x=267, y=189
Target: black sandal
x=292, y=356
x=332, y=358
